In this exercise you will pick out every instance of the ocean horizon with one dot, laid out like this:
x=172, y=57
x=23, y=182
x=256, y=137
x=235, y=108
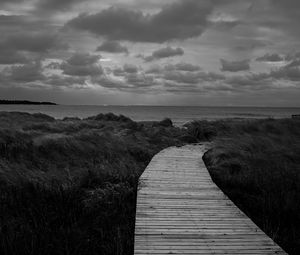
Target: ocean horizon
x=178, y=114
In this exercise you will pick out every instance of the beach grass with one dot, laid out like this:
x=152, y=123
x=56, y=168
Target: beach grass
x=69, y=186
x=257, y=164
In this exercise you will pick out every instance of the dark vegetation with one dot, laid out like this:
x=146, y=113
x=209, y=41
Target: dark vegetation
x=257, y=164
x=25, y=102
x=69, y=186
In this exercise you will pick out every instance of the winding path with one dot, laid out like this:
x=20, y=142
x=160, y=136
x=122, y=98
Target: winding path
x=181, y=211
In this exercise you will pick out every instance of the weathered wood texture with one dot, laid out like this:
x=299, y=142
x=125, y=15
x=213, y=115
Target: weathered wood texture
x=181, y=211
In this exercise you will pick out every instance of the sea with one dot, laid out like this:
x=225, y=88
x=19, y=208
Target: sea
x=178, y=114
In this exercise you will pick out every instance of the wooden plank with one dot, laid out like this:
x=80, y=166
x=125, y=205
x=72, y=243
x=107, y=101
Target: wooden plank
x=181, y=211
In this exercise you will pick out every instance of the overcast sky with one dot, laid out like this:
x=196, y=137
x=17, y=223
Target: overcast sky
x=165, y=52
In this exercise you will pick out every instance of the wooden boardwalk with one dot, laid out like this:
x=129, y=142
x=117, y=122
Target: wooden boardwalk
x=181, y=211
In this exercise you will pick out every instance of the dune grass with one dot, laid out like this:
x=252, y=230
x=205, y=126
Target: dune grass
x=257, y=164
x=69, y=186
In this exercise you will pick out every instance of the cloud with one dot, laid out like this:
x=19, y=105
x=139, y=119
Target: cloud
x=112, y=47
x=82, y=64
x=270, y=58
x=291, y=73
x=8, y=57
x=126, y=69
x=108, y=82
x=10, y=20
x=192, y=77
x=235, y=66
x=33, y=42
x=293, y=63
x=166, y=52
x=250, y=81
x=183, y=67
x=79, y=59
x=180, y=20
x=129, y=68
x=154, y=69
x=266, y=80
x=29, y=72
x=157, y=69
x=54, y=65
x=59, y=5
x=66, y=81
x=3, y=2
x=222, y=21
x=139, y=80
x=132, y=82
x=293, y=56
x=250, y=44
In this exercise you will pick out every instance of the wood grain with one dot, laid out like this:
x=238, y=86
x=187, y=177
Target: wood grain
x=181, y=211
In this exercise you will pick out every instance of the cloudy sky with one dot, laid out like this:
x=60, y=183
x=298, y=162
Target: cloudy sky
x=170, y=52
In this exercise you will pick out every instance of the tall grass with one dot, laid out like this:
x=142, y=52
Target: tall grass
x=257, y=164
x=69, y=187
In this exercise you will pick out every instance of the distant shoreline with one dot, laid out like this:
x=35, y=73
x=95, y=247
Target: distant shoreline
x=25, y=102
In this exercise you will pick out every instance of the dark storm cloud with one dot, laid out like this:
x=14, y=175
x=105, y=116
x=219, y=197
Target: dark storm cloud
x=2, y=2
x=33, y=42
x=29, y=72
x=192, y=77
x=112, y=47
x=11, y=20
x=180, y=20
x=291, y=73
x=235, y=66
x=283, y=16
x=60, y=5
x=109, y=83
x=139, y=80
x=225, y=25
x=183, y=67
x=133, y=82
x=65, y=81
x=294, y=56
x=129, y=68
x=290, y=7
x=266, y=80
x=250, y=81
x=78, y=59
x=250, y=44
x=293, y=63
x=270, y=58
x=82, y=64
x=157, y=69
x=118, y=72
x=166, y=52
x=8, y=57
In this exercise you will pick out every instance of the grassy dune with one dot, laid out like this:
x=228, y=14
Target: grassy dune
x=69, y=186
x=257, y=164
